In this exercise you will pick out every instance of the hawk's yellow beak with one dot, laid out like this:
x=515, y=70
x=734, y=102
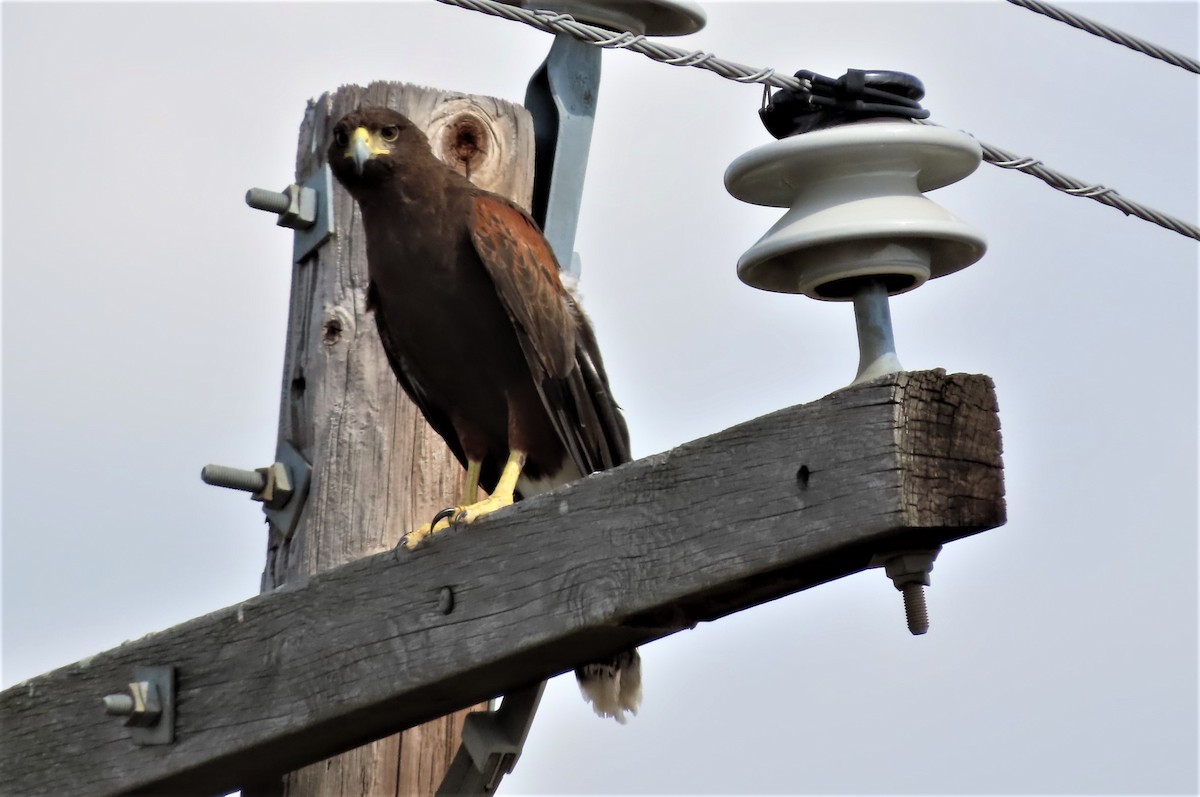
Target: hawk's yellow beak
x=364, y=146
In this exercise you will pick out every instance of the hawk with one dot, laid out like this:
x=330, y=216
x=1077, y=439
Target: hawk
x=484, y=338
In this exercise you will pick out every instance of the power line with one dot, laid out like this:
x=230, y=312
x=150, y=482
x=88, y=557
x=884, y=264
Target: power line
x=1075, y=187
x=553, y=22
x=1113, y=35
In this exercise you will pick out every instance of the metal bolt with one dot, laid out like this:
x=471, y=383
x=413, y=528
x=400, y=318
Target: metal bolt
x=270, y=201
x=250, y=481
x=272, y=485
x=147, y=704
x=120, y=705
x=141, y=704
x=914, y=608
x=296, y=205
x=909, y=571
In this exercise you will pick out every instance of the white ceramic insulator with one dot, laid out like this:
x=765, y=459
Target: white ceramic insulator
x=856, y=208
x=647, y=17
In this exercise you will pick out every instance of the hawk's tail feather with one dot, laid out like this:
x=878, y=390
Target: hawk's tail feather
x=613, y=686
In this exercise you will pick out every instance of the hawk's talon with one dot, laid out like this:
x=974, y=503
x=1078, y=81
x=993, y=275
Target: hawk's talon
x=501, y=497
x=441, y=522
x=450, y=514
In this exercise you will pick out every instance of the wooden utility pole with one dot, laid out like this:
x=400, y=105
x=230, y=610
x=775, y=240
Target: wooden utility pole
x=378, y=469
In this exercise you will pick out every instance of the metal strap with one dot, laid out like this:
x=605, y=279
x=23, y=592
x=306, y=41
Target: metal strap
x=561, y=97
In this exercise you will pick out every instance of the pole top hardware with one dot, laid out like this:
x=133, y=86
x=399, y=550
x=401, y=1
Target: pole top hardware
x=859, y=94
x=852, y=169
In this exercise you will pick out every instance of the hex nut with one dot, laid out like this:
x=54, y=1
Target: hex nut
x=909, y=568
x=141, y=705
x=278, y=489
x=301, y=211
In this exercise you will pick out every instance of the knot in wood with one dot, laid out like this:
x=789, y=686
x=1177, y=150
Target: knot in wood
x=331, y=331
x=337, y=321
x=465, y=142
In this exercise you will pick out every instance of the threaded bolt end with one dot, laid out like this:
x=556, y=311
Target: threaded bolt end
x=249, y=481
x=120, y=705
x=914, y=608
x=271, y=201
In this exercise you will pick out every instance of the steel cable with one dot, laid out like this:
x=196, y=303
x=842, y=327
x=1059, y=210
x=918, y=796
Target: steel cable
x=553, y=22
x=1113, y=35
x=1075, y=187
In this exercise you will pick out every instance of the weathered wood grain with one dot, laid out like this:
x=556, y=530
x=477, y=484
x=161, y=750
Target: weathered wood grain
x=758, y=511
x=378, y=469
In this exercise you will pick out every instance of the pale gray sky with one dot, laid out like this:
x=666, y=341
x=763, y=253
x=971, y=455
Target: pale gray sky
x=144, y=316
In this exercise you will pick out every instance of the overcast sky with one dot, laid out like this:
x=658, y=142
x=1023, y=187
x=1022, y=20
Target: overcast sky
x=144, y=313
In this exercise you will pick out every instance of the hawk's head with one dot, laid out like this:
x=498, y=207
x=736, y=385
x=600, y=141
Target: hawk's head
x=368, y=144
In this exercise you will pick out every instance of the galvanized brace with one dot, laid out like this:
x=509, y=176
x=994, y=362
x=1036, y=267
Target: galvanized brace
x=491, y=744
x=561, y=97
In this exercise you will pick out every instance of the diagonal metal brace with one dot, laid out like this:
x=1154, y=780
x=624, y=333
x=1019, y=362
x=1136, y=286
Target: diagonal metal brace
x=561, y=97
x=491, y=744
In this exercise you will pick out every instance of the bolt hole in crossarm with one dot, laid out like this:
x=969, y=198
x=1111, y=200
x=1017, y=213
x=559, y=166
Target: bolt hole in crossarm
x=802, y=477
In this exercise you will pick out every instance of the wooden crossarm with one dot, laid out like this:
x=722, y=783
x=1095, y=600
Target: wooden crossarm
x=718, y=525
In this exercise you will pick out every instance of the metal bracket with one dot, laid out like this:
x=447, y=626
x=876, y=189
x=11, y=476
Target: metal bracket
x=306, y=208
x=286, y=517
x=561, y=97
x=306, y=241
x=282, y=486
x=491, y=744
x=148, y=705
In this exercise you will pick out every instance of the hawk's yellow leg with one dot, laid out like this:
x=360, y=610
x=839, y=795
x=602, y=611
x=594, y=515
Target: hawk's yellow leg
x=472, y=488
x=501, y=497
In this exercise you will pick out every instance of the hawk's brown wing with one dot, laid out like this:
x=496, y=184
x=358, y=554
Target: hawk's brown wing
x=558, y=343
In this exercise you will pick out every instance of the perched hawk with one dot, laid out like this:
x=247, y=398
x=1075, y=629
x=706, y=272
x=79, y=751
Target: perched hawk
x=483, y=337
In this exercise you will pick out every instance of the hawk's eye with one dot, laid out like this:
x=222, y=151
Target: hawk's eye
x=390, y=133
x=339, y=136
